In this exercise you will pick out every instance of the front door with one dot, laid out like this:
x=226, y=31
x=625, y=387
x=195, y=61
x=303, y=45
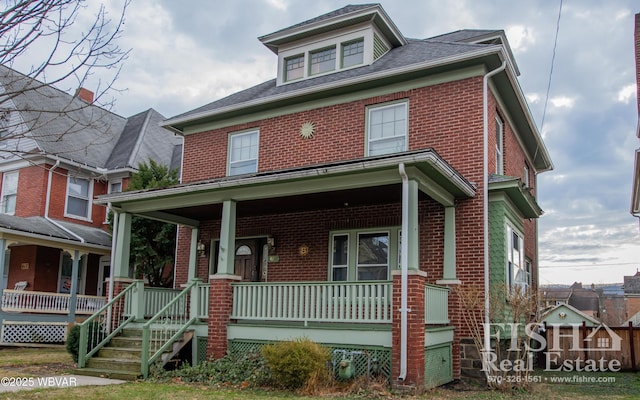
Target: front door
x=247, y=260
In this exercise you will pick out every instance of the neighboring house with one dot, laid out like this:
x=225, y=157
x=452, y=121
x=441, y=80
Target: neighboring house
x=57, y=153
x=635, y=190
x=564, y=314
x=373, y=170
x=583, y=299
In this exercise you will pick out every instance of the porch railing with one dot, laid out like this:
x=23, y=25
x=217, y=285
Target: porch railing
x=48, y=303
x=436, y=310
x=156, y=298
x=356, y=302
x=202, y=304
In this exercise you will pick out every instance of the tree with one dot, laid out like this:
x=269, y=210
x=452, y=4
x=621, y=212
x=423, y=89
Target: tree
x=153, y=243
x=54, y=43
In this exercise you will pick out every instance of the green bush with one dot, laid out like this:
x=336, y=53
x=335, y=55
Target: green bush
x=292, y=363
x=247, y=369
x=73, y=339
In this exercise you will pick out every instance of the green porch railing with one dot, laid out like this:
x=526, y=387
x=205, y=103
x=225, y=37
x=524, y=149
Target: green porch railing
x=97, y=330
x=167, y=326
x=202, y=305
x=352, y=302
x=156, y=298
x=436, y=304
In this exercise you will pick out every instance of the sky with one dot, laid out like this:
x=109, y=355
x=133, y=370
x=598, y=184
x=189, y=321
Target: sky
x=185, y=54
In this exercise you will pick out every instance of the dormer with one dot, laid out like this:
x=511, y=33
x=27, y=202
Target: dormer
x=351, y=37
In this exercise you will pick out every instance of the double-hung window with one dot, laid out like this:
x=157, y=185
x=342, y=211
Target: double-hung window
x=352, y=53
x=294, y=68
x=78, y=197
x=364, y=255
x=9, y=192
x=323, y=60
x=387, y=129
x=243, y=153
x=340, y=258
x=373, y=256
x=499, y=146
x=517, y=274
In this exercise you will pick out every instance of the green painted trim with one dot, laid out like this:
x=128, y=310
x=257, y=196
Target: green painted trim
x=346, y=97
x=413, y=225
x=226, y=254
x=431, y=187
x=449, y=267
x=122, y=250
x=520, y=197
x=193, y=254
x=344, y=336
x=439, y=337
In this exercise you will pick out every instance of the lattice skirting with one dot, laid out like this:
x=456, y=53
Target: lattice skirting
x=33, y=332
x=373, y=360
x=202, y=349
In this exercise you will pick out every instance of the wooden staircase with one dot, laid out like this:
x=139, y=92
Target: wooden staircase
x=121, y=357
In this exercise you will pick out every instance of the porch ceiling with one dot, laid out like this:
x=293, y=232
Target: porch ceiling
x=356, y=182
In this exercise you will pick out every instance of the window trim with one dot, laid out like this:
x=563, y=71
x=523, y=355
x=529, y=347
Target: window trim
x=349, y=43
x=499, y=151
x=89, y=199
x=393, y=233
x=286, y=65
x=511, y=273
x=2, y=193
x=313, y=52
x=377, y=107
x=230, y=149
x=527, y=183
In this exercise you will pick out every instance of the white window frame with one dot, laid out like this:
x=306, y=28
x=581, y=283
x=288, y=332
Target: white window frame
x=5, y=118
x=89, y=198
x=230, y=163
x=333, y=50
x=369, y=126
x=515, y=260
x=332, y=261
x=286, y=68
x=499, y=146
x=344, y=45
x=4, y=194
x=525, y=172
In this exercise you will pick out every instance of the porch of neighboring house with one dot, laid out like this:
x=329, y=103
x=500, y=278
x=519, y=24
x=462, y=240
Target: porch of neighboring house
x=46, y=287
x=320, y=259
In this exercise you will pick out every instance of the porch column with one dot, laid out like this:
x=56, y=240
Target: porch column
x=220, y=289
x=413, y=234
x=3, y=250
x=123, y=246
x=73, y=299
x=193, y=255
x=449, y=265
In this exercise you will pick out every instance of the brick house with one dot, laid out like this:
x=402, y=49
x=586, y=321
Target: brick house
x=343, y=199
x=54, y=241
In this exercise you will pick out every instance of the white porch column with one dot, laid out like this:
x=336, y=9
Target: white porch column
x=73, y=299
x=193, y=255
x=227, y=239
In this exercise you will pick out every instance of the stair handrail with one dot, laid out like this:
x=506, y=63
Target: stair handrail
x=83, y=352
x=146, y=329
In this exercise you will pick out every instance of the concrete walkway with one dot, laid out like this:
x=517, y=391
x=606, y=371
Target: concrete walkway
x=15, y=384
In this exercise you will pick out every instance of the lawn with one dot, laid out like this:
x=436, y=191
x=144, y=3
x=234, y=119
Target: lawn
x=25, y=362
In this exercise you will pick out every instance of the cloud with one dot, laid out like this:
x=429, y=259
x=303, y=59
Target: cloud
x=627, y=94
x=520, y=37
x=279, y=4
x=562, y=102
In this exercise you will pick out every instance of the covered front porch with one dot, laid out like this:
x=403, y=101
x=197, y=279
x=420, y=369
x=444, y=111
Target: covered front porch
x=329, y=252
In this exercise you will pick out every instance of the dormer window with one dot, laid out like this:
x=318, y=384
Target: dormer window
x=323, y=60
x=353, y=53
x=294, y=67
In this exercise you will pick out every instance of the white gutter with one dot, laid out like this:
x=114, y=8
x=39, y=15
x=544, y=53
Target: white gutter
x=48, y=200
x=485, y=199
x=404, y=270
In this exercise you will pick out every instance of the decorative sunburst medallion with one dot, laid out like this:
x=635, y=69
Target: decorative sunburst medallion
x=307, y=130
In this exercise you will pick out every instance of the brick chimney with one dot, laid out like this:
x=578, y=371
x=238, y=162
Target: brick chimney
x=85, y=95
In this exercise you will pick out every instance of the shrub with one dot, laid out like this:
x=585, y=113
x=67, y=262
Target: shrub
x=73, y=339
x=292, y=363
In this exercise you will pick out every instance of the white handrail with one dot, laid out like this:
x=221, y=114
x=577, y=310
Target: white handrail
x=47, y=302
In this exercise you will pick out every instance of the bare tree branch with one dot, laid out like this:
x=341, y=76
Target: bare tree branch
x=64, y=50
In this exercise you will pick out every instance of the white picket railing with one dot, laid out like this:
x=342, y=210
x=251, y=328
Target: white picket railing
x=47, y=302
x=356, y=302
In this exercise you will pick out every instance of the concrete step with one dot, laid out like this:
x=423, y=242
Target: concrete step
x=120, y=352
x=104, y=373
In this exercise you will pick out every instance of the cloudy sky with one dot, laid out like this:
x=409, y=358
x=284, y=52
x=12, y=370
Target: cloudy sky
x=189, y=53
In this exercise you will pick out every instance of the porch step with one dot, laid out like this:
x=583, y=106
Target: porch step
x=114, y=364
x=105, y=373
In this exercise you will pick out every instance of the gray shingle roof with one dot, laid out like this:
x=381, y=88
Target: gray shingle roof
x=414, y=52
x=464, y=35
x=41, y=226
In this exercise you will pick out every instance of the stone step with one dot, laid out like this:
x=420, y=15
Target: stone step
x=120, y=352
x=106, y=373
x=114, y=364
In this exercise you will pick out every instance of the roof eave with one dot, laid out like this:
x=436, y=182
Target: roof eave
x=520, y=196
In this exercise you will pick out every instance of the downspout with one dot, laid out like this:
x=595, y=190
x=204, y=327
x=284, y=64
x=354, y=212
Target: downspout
x=48, y=200
x=485, y=199
x=403, y=273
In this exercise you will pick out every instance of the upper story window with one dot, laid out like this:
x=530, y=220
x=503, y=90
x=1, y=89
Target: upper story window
x=9, y=192
x=387, y=129
x=79, y=192
x=294, y=68
x=323, y=61
x=5, y=116
x=499, y=146
x=243, y=153
x=352, y=53
x=517, y=273
x=115, y=186
x=526, y=176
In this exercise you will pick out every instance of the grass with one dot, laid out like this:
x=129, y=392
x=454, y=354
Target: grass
x=24, y=362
